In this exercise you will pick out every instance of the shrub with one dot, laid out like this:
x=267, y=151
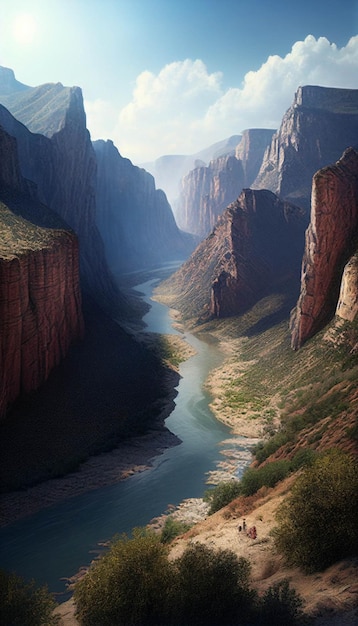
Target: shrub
x=222, y=494
x=280, y=606
x=24, y=603
x=172, y=528
x=212, y=587
x=268, y=475
x=128, y=586
x=317, y=522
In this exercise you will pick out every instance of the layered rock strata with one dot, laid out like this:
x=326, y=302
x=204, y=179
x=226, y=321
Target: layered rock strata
x=255, y=247
x=331, y=242
x=40, y=303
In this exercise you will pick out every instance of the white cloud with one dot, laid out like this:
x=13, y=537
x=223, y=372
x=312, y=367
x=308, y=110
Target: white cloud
x=183, y=108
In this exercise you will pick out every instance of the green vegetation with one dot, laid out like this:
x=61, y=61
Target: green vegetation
x=268, y=475
x=172, y=528
x=23, y=603
x=135, y=584
x=222, y=494
x=317, y=523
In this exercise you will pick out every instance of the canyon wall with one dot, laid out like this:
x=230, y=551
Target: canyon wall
x=56, y=153
x=321, y=123
x=331, y=245
x=207, y=190
x=255, y=247
x=40, y=298
x=135, y=219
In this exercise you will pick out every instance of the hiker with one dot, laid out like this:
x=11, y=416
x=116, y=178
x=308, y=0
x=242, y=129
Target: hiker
x=244, y=524
x=239, y=528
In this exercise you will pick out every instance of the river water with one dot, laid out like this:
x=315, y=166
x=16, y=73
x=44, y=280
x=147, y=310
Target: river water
x=54, y=543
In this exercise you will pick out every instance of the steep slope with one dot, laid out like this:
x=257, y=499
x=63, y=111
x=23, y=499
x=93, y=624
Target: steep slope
x=255, y=247
x=40, y=299
x=331, y=241
x=207, y=190
x=55, y=152
x=321, y=123
x=135, y=219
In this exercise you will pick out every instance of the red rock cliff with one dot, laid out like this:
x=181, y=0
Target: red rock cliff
x=331, y=241
x=40, y=299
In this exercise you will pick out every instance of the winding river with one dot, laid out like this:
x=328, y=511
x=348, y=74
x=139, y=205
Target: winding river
x=54, y=543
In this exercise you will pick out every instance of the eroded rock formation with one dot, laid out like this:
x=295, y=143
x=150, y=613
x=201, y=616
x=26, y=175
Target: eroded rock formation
x=321, y=123
x=331, y=242
x=255, y=247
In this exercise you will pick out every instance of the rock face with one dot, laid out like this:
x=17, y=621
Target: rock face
x=347, y=307
x=207, y=190
x=255, y=246
x=57, y=155
x=321, y=123
x=331, y=242
x=40, y=299
x=135, y=219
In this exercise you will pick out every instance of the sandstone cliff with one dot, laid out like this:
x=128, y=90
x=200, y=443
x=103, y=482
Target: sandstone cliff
x=40, y=299
x=55, y=152
x=207, y=190
x=331, y=242
x=255, y=247
x=321, y=123
x=135, y=219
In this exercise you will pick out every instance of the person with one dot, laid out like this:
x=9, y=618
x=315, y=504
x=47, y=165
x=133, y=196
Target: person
x=239, y=528
x=244, y=524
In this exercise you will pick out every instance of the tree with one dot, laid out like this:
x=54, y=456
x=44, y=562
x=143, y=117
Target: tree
x=212, y=587
x=24, y=603
x=317, y=523
x=281, y=605
x=128, y=586
x=222, y=494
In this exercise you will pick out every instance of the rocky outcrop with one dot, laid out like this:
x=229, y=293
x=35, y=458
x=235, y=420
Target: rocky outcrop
x=256, y=246
x=135, y=219
x=207, y=190
x=331, y=242
x=40, y=299
x=321, y=123
x=347, y=307
x=55, y=152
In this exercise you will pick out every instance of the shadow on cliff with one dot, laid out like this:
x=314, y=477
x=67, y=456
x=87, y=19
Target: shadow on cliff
x=107, y=389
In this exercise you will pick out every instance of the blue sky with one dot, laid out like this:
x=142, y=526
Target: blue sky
x=173, y=76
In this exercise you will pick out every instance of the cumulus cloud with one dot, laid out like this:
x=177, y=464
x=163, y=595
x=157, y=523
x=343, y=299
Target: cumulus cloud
x=183, y=108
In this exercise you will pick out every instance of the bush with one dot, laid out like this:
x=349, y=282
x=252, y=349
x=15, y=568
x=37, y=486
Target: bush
x=317, y=522
x=266, y=476
x=222, y=494
x=23, y=603
x=172, y=528
x=128, y=586
x=212, y=587
x=280, y=606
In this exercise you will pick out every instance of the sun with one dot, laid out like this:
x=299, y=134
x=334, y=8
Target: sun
x=24, y=28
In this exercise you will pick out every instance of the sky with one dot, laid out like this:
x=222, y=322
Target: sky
x=175, y=76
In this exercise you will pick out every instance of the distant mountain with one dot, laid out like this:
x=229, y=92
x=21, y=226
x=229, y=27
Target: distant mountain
x=321, y=123
x=207, y=190
x=134, y=218
x=255, y=247
x=169, y=170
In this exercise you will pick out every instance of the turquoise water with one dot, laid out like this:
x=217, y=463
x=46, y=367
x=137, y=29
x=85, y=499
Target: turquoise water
x=54, y=543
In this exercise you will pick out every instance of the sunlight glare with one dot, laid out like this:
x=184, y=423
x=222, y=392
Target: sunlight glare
x=24, y=28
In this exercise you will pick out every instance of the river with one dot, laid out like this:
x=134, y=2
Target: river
x=51, y=545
